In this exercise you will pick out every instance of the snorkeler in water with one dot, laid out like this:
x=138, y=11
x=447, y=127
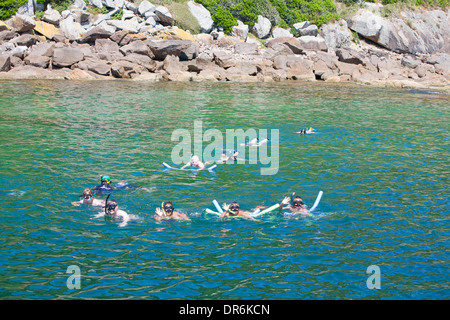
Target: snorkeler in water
x=106, y=186
x=195, y=162
x=233, y=210
x=112, y=211
x=167, y=212
x=296, y=207
x=88, y=198
x=224, y=158
x=306, y=131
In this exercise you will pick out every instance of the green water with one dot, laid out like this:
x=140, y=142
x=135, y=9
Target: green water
x=380, y=156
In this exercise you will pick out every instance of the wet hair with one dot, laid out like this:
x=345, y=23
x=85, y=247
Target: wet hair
x=87, y=191
x=167, y=202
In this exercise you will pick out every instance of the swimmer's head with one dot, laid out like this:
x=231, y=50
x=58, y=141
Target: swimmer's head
x=111, y=207
x=297, y=202
x=168, y=207
x=105, y=180
x=195, y=160
x=234, y=208
x=87, y=194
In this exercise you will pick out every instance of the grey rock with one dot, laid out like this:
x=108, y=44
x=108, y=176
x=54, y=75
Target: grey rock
x=262, y=27
x=66, y=56
x=202, y=15
x=184, y=49
x=5, y=63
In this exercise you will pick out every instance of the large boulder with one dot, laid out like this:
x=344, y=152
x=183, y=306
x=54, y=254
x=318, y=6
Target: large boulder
x=67, y=56
x=94, y=34
x=240, y=31
x=336, y=35
x=262, y=27
x=126, y=25
x=47, y=30
x=313, y=43
x=25, y=40
x=97, y=66
x=71, y=30
x=413, y=32
x=37, y=61
x=202, y=15
x=183, y=49
x=5, y=63
x=278, y=32
x=165, y=18
x=138, y=47
x=142, y=60
x=51, y=16
x=21, y=23
x=349, y=56
x=310, y=30
x=107, y=49
x=292, y=44
x=145, y=6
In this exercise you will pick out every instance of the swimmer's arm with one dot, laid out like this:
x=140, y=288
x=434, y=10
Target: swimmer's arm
x=225, y=210
x=246, y=215
x=186, y=165
x=182, y=216
x=98, y=202
x=101, y=214
x=125, y=218
x=284, y=202
x=76, y=203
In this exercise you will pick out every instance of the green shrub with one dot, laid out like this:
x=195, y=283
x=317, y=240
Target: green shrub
x=223, y=18
x=9, y=8
x=118, y=15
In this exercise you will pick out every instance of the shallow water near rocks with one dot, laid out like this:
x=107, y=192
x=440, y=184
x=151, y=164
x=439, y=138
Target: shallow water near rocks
x=379, y=155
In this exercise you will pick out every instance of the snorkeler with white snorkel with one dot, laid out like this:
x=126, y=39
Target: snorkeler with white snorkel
x=233, y=210
x=167, y=212
x=295, y=205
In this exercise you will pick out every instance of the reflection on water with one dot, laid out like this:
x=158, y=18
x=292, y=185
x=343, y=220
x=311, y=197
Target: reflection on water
x=380, y=156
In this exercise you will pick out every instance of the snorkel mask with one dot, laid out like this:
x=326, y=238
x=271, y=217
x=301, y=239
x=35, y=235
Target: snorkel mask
x=105, y=180
x=297, y=203
x=167, y=208
x=87, y=195
x=234, y=208
x=110, y=206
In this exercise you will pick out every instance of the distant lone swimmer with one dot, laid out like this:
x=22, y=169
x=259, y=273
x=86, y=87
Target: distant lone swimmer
x=195, y=162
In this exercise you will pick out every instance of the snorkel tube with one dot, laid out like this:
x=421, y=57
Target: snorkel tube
x=106, y=203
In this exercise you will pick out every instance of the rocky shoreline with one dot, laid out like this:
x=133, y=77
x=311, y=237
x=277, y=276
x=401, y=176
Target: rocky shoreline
x=143, y=45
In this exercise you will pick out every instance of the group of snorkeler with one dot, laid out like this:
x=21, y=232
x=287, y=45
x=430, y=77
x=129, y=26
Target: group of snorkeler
x=167, y=210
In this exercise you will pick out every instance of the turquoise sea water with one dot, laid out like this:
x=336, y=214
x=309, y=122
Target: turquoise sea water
x=380, y=156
